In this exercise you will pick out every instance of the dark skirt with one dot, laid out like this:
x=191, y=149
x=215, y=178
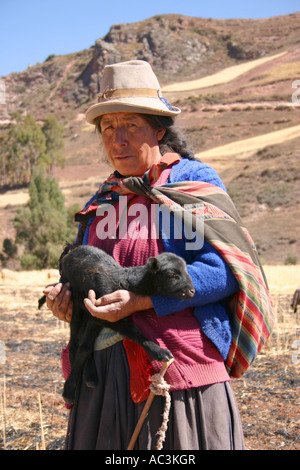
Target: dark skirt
x=104, y=418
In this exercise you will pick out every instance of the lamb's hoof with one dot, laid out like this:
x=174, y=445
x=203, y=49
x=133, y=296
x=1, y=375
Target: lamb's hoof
x=163, y=355
x=168, y=356
x=91, y=383
x=68, y=400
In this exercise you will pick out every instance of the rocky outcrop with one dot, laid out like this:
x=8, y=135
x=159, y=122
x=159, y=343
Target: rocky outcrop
x=240, y=51
x=104, y=53
x=175, y=45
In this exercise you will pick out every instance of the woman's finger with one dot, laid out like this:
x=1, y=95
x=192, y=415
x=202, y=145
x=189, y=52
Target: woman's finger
x=58, y=300
x=92, y=296
x=51, y=293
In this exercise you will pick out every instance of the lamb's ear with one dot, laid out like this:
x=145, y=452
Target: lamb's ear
x=153, y=264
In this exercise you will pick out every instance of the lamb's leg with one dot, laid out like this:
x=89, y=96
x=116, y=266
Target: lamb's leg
x=90, y=375
x=83, y=352
x=77, y=327
x=131, y=331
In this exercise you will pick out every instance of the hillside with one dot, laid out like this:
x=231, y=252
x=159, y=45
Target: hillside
x=233, y=81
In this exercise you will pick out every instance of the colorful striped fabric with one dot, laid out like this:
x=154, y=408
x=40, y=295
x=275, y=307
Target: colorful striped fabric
x=251, y=309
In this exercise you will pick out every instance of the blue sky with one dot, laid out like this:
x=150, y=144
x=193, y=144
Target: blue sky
x=31, y=30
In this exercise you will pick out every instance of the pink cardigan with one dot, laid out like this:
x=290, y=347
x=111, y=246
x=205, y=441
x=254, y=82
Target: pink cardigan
x=197, y=361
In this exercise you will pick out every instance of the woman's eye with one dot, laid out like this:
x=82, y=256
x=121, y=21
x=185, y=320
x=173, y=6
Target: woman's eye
x=106, y=129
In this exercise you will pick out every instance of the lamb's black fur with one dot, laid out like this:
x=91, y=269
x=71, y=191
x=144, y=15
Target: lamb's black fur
x=87, y=267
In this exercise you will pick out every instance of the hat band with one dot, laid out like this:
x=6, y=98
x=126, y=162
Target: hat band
x=128, y=93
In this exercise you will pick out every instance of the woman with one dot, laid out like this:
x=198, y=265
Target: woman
x=136, y=127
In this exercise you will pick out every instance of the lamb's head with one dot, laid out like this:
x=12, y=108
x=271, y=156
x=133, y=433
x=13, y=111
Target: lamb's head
x=170, y=276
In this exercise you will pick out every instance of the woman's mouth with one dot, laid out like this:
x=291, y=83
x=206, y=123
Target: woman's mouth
x=123, y=157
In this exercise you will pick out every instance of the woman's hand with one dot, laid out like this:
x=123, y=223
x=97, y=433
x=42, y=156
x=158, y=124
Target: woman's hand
x=58, y=300
x=117, y=305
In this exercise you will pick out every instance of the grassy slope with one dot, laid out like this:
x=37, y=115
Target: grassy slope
x=263, y=180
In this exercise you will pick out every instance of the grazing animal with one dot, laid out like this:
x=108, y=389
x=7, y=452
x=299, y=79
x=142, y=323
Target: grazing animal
x=87, y=267
x=296, y=300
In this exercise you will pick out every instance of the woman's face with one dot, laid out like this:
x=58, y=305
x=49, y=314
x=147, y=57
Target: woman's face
x=130, y=143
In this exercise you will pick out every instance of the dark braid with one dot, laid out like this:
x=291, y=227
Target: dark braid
x=172, y=140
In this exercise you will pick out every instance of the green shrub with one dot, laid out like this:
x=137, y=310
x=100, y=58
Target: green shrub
x=29, y=262
x=44, y=225
x=291, y=259
x=274, y=195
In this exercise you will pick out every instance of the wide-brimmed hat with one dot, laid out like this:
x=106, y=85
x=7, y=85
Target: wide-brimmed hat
x=130, y=87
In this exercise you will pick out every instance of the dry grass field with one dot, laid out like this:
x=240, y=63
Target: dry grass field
x=33, y=415
x=226, y=75
x=238, y=117
x=268, y=394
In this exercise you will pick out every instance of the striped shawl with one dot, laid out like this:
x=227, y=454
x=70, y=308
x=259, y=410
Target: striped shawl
x=250, y=310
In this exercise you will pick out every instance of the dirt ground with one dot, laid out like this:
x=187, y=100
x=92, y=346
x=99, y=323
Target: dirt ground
x=33, y=415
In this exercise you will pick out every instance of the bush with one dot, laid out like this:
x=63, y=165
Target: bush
x=274, y=195
x=9, y=251
x=29, y=262
x=291, y=259
x=44, y=225
x=9, y=248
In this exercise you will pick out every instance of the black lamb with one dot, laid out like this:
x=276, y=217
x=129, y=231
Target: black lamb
x=87, y=267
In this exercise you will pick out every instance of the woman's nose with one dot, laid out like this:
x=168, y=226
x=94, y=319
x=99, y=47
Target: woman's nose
x=120, y=137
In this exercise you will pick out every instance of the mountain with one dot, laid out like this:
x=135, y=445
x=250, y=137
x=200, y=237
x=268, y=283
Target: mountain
x=233, y=80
